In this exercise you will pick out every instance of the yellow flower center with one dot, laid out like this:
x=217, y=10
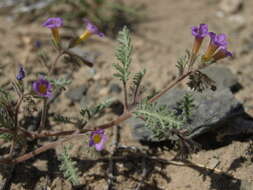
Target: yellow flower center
x=43, y=89
x=96, y=138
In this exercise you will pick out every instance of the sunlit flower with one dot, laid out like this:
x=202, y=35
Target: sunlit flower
x=21, y=73
x=98, y=139
x=216, y=41
x=42, y=87
x=222, y=53
x=54, y=24
x=199, y=33
x=91, y=29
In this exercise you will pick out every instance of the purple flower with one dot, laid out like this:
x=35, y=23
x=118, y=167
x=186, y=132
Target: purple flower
x=219, y=40
x=91, y=28
x=42, y=87
x=201, y=31
x=21, y=74
x=222, y=53
x=216, y=41
x=53, y=23
x=98, y=139
x=38, y=44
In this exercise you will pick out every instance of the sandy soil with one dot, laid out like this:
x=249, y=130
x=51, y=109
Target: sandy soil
x=157, y=45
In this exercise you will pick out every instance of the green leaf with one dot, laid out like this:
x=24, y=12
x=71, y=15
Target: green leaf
x=159, y=119
x=68, y=167
x=123, y=54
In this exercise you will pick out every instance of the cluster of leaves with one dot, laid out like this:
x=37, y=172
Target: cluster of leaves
x=158, y=119
x=183, y=62
x=6, y=115
x=95, y=111
x=185, y=107
x=162, y=120
x=200, y=82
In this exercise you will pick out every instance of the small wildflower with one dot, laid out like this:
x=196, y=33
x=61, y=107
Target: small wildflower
x=216, y=41
x=43, y=87
x=98, y=139
x=21, y=73
x=199, y=33
x=222, y=53
x=91, y=29
x=54, y=24
x=38, y=44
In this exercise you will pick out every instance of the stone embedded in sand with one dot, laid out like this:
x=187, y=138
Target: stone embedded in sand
x=231, y=6
x=76, y=94
x=214, y=109
x=223, y=78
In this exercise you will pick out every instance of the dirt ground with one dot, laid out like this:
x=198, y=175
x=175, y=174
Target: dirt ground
x=158, y=43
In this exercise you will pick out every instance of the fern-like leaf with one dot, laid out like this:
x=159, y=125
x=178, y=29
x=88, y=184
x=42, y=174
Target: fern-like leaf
x=123, y=54
x=68, y=167
x=62, y=119
x=60, y=83
x=182, y=62
x=200, y=81
x=158, y=118
x=93, y=112
x=137, y=79
x=185, y=107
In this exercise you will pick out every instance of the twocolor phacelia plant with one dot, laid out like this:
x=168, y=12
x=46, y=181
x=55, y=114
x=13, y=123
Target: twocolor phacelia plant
x=162, y=122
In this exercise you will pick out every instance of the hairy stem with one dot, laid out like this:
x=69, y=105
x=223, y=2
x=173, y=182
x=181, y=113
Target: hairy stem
x=43, y=115
x=125, y=96
x=51, y=70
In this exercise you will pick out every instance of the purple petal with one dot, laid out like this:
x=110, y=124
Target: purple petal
x=219, y=40
x=100, y=145
x=201, y=31
x=226, y=52
x=53, y=23
x=21, y=73
x=92, y=28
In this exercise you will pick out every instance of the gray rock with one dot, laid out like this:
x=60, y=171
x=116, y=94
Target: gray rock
x=89, y=56
x=76, y=94
x=115, y=88
x=223, y=78
x=237, y=22
x=213, y=109
x=247, y=46
x=231, y=6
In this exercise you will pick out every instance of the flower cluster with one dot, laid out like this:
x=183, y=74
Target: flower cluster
x=55, y=23
x=217, y=48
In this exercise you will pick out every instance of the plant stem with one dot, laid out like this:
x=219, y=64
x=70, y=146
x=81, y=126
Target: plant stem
x=51, y=70
x=125, y=96
x=43, y=115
